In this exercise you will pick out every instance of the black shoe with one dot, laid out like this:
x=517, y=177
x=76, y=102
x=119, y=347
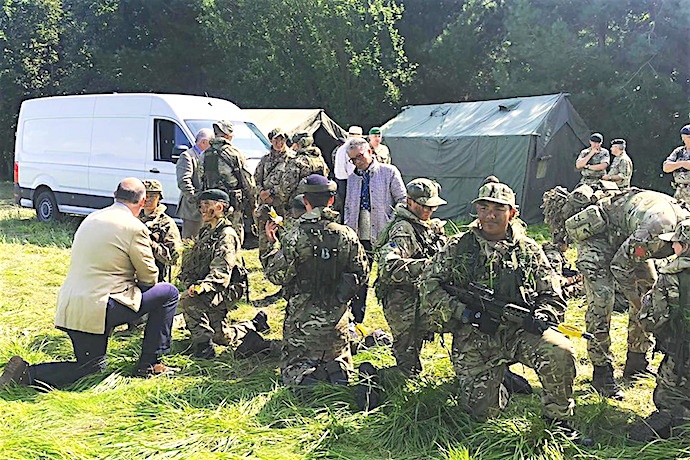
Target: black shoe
x=252, y=344
x=636, y=365
x=658, y=425
x=368, y=389
x=568, y=431
x=516, y=384
x=205, y=350
x=16, y=371
x=603, y=383
x=260, y=322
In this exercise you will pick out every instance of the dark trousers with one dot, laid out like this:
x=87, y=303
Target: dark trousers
x=340, y=195
x=160, y=302
x=359, y=303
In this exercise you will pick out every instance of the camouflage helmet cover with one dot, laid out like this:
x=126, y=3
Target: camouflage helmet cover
x=496, y=192
x=152, y=185
x=425, y=192
x=223, y=127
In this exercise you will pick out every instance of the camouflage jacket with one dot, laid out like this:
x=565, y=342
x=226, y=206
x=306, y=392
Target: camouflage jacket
x=589, y=176
x=305, y=162
x=662, y=312
x=508, y=266
x=223, y=166
x=214, y=263
x=270, y=175
x=165, y=240
x=405, y=249
x=383, y=154
x=680, y=175
x=622, y=166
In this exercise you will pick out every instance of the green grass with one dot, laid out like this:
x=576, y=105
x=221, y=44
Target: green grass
x=237, y=409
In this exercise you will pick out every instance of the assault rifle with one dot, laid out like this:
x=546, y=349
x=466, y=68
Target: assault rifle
x=486, y=310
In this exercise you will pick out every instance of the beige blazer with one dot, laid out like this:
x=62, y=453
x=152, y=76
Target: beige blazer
x=111, y=253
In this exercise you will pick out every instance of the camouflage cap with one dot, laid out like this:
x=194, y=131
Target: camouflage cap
x=152, y=185
x=496, y=192
x=277, y=132
x=316, y=183
x=425, y=192
x=214, y=194
x=681, y=233
x=223, y=127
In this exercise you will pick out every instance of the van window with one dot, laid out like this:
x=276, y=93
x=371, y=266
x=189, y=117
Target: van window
x=167, y=137
x=246, y=137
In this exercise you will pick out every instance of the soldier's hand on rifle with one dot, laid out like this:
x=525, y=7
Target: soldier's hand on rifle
x=271, y=230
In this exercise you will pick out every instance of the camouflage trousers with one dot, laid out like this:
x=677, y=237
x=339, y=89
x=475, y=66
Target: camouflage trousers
x=599, y=262
x=673, y=394
x=682, y=194
x=480, y=360
x=203, y=320
x=237, y=220
x=401, y=310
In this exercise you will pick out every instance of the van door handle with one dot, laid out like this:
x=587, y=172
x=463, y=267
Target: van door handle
x=154, y=170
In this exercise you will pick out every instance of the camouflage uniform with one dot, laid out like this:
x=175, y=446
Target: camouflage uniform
x=479, y=359
x=590, y=177
x=569, y=279
x=165, y=240
x=621, y=165
x=307, y=160
x=224, y=167
x=308, y=264
x=383, y=154
x=214, y=266
x=622, y=251
x=681, y=176
x=404, y=251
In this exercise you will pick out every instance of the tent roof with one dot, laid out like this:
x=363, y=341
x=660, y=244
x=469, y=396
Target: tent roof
x=295, y=120
x=501, y=117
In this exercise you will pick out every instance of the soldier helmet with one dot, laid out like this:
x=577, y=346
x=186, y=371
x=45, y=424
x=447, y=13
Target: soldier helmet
x=223, y=127
x=496, y=192
x=214, y=194
x=685, y=130
x=425, y=192
x=681, y=233
x=316, y=183
x=277, y=132
x=596, y=137
x=152, y=185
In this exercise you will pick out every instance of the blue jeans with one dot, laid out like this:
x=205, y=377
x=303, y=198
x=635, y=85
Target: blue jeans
x=159, y=301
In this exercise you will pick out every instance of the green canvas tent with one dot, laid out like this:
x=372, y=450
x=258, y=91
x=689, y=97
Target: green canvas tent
x=529, y=143
x=327, y=133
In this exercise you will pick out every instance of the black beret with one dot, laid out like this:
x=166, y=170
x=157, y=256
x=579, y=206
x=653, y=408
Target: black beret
x=596, y=137
x=316, y=183
x=214, y=194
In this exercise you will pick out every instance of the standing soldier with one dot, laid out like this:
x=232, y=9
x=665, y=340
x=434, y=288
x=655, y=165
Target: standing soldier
x=496, y=253
x=592, y=162
x=678, y=162
x=406, y=247
x=165, y=237
x=383, y=154
x=666, y=313
x=224, y=168
x=271, y=183
x=307, y=161
x=213, y=274
x=321, y=264
x=621, y=169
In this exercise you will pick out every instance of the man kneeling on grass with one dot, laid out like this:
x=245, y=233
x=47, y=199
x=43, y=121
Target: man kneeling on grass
x=111, y=281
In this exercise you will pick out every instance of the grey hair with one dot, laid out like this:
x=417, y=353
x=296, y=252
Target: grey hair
x=204, y=134
x=356, y=143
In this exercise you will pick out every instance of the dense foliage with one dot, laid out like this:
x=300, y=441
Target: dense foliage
x=626, y=63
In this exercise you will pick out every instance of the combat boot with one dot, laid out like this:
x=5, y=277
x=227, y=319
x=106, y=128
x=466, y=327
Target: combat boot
x=657, y=425
x=368, y=397
x=204, y=350
x=16, y=371
x=260, y=322
x=252, y=344
x=636, y=365
x=603, y=383
x=516, y=384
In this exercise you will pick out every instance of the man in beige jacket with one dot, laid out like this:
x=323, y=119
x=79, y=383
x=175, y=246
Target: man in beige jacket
x=111, y=281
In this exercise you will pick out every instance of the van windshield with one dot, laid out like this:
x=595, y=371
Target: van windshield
x=246, y=137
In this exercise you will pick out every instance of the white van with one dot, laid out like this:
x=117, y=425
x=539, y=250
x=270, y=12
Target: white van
x=72, y=151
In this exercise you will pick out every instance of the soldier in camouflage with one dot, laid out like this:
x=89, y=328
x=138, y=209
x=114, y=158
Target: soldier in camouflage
x=307, y=161
x=224, y=167
x=496, y=252
x=165, y=236
x=271, y=182
x=592, y=162
x=405, y=249
x=678, y=163
x=617, y=234
x=213, y=274
x=666, y=313
x=321, y=265
x=381, y=151
x=569, y=279
x=621, y=169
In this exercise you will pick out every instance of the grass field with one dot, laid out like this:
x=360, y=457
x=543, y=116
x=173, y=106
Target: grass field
x=228, y=408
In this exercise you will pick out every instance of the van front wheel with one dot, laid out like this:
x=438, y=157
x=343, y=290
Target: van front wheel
x=46, y=207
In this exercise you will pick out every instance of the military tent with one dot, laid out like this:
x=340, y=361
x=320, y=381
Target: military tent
x=327, y=133
x=529, y=143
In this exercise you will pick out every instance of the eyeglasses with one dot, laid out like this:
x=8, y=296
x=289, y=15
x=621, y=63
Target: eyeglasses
x=359, y=156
